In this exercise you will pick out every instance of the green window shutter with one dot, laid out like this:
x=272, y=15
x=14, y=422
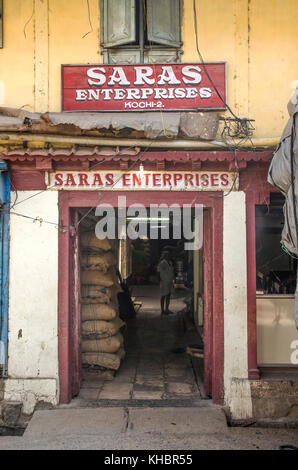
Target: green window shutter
x=163, y=18
x=119, y=26
x=1, y=23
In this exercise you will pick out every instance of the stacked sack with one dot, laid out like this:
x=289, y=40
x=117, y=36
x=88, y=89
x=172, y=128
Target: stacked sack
x=102, y=345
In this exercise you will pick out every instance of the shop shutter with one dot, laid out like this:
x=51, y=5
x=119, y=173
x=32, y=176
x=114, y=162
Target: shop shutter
x=1, y=23
x=118, y=22
x=163, y=22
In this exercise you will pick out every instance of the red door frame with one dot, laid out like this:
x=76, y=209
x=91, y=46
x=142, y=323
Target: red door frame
x=253, y=198
x=75, y=304
x=213, y=282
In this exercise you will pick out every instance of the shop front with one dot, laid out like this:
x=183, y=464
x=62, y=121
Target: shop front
x=70, y=163
x=57, y=187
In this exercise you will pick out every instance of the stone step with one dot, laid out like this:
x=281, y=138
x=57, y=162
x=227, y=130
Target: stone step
x=102, y=420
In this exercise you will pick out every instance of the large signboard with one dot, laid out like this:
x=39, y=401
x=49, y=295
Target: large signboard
x=143, y=87
x=143, y=180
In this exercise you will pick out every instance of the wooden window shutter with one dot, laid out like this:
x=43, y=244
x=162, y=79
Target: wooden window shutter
x=119, y=25
x=1, y=23
x=163, y=22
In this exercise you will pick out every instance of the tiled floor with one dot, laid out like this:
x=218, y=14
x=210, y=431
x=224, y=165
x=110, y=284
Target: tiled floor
x=155, y=366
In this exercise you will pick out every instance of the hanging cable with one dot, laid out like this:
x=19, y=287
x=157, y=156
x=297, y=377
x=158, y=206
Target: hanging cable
x=106, y=158
x=28, y=21
x=64, y=228
x=203, y=63
x=89, y=19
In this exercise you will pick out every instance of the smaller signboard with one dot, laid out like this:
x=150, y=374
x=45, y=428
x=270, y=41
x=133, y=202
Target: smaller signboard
x=143, y=180
x=143, y=87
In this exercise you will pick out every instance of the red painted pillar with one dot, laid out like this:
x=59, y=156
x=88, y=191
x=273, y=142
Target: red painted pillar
x=207, y=299
x=213, y=302
x=253, y=371
x=64, y=326
x=217, y=301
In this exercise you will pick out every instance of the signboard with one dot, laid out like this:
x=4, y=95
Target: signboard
x=143, y=87
x=143, y=180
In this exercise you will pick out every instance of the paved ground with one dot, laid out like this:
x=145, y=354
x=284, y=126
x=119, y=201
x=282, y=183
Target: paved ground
x=154, y=402
x=151, y=369
x=143, y=428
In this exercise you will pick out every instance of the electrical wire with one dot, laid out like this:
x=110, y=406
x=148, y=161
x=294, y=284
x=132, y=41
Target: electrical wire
x=204, y=66
x=30, y=197
x=28, y=21
x=40, y=192
x=15, y=190
x=38, y=219
x=89, y=18
x=161, y=112
x=106, y=158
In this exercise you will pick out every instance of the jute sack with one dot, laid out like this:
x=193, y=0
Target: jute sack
x=94, y=290
x=98, y=312
x=97, y=278
x=101, y=328
x=90, y=242
x=95, y=295
x=109, y=361
x=106, y=345
x=91, y=262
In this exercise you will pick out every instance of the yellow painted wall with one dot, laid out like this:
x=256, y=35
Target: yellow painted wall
x=257, y=39
x=17, y=55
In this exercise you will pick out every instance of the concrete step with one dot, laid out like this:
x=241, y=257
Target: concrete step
x=72, y=421
x=177, y=420
x=104, y=420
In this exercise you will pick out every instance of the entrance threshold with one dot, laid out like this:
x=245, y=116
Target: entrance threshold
x=157, y=370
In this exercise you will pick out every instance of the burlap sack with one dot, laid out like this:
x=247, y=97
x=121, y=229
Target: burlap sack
x=99, y=312
x=91, y=243
x=94, y=291
x=96, y=295
x=109, y=361
x=101, y=329
x=97, y=278
x=102, y=262
x=106, y=345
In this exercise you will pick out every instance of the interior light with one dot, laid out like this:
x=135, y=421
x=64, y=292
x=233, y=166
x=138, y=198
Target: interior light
x=148, y=219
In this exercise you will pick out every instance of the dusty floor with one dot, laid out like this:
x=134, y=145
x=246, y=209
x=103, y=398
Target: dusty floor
x=154, y=367
x=154, y=401
x=144, y=428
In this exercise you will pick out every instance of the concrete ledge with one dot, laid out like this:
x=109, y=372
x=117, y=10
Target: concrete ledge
x=30, y=392
x=274, y=399
x=76, y=421
x=177, y=420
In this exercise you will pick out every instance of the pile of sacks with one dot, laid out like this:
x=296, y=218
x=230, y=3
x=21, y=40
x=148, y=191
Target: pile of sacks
x=102, y=343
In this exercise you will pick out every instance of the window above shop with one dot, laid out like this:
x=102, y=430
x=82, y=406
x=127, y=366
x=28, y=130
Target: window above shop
x=276, y=270
x=141, y=31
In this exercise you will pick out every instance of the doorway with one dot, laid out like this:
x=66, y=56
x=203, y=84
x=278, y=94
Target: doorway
x=152, y=348
x=149, y=316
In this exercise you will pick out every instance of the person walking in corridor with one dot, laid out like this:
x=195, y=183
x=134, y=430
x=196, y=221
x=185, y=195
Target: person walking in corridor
x=166, y=277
